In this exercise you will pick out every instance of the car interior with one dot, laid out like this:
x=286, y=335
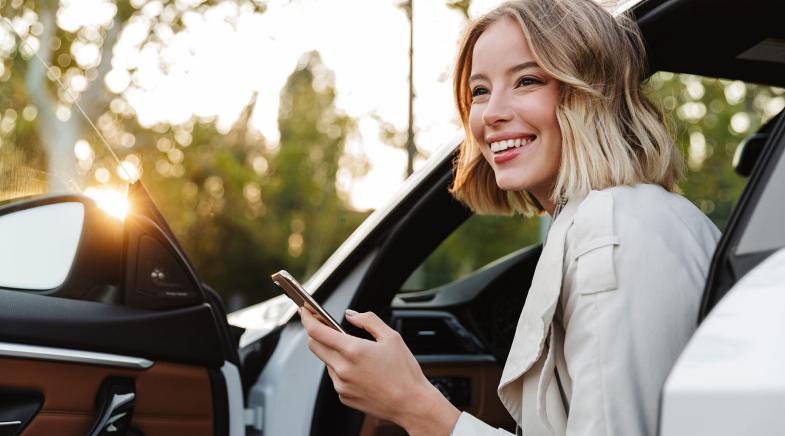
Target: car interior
x=129, y=291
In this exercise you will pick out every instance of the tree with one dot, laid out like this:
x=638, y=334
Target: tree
x=244, y=208
x=241, y=207
x=313, y=212
x=63, y=69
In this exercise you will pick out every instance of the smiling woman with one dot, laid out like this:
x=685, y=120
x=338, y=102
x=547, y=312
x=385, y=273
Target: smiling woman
x=550, y=96
x=513, y=110
x=576, y=90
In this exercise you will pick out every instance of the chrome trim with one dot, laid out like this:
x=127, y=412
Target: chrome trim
x=108, y=417
x=8, y=423
x=38, y=352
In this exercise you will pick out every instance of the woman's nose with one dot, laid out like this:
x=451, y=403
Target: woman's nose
x=497, y=110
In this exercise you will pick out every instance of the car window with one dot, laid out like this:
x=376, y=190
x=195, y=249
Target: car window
x=481, y=239
x=709, y=118
x=760, y=233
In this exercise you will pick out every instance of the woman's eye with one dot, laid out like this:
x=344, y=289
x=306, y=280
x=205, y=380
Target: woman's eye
x=478, y=91
x=527, y=81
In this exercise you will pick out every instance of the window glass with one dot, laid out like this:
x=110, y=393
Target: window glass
x=764, y=230
x=477, y=242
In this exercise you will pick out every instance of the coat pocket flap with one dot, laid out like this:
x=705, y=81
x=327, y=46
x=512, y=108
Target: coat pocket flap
x=595, y=269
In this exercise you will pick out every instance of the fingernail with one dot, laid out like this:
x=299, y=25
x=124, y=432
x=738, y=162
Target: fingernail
x=350, y=312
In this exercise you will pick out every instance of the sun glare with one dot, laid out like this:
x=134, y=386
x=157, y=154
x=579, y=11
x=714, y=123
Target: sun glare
x=113, y=201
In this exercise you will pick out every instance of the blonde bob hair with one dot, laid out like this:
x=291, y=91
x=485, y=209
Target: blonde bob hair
x=611, y=133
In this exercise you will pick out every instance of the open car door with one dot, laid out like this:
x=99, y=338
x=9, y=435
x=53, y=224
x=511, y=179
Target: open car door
x=105, y=328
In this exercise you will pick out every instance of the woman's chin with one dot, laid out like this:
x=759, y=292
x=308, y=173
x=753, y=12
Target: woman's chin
x=507, y=184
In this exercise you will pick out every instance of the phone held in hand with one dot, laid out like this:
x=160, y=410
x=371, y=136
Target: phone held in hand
x=295, y=291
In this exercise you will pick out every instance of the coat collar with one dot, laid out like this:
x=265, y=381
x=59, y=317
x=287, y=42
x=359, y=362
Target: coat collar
x=538, y=309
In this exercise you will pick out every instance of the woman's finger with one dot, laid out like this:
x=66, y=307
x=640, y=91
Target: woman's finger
x=325, y=335
x=329, y=356
x=371, y=323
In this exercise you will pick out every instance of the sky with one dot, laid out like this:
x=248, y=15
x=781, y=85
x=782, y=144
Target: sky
x=363, y=42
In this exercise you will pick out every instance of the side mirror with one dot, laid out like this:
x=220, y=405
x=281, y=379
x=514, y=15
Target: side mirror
x=67, y=246
x=39, y=245
x=61, y=245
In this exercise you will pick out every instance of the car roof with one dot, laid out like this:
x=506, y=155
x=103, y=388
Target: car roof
x=732, y=39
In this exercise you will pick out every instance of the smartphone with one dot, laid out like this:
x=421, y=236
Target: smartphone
x=294, y=290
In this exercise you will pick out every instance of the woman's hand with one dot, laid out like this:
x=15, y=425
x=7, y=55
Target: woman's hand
x=381, y=377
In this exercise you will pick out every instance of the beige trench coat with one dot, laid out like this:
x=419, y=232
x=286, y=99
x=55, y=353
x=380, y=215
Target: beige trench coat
x=613, y=301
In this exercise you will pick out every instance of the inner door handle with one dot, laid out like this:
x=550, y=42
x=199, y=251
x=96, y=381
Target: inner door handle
x=116, y=400
x=17, y=409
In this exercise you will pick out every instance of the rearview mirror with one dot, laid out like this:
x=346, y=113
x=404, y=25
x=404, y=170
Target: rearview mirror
x=39, y=245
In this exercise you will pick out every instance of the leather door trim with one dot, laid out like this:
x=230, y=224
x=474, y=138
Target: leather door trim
x=172, y=399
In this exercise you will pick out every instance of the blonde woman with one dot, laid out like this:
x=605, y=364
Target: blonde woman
x=549, y=94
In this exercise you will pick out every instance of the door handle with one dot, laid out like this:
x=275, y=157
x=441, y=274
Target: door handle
x=116, y=400
x=17, y=409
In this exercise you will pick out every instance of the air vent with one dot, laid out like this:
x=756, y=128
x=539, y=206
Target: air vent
x=417, y=298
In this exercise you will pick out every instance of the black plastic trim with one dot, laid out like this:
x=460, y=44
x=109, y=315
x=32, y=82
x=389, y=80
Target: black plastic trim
x=220, y=403
x=185, y=335
x=727, y=268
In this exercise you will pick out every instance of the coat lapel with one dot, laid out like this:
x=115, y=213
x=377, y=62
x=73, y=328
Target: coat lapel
x=537, y=311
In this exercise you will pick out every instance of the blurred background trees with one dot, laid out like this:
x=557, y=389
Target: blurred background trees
x=709, y=118
x=243, y=206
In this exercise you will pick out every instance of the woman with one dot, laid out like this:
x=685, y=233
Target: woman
x=549, y=93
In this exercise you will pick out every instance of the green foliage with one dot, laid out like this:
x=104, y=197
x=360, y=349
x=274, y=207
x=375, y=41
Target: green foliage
x=461, y=6
x=480, y=240
x=244, y=209
x=710, y=117
x=304, y=169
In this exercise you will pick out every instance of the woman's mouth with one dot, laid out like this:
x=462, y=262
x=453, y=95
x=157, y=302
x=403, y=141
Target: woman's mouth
x=508, y=149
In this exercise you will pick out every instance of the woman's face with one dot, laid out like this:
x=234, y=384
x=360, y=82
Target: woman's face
x=513, y=111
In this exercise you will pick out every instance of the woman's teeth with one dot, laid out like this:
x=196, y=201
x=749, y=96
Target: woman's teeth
x=504, y=145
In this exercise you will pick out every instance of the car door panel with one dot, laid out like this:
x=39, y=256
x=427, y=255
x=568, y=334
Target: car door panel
x=186, y=335
x=171, y=398
x=131, y=313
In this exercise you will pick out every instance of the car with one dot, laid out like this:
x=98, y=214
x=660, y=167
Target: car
x=105, y=326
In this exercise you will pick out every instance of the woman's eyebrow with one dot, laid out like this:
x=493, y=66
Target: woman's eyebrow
x=478, y=76
x=523, y=66
x=514, y=69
